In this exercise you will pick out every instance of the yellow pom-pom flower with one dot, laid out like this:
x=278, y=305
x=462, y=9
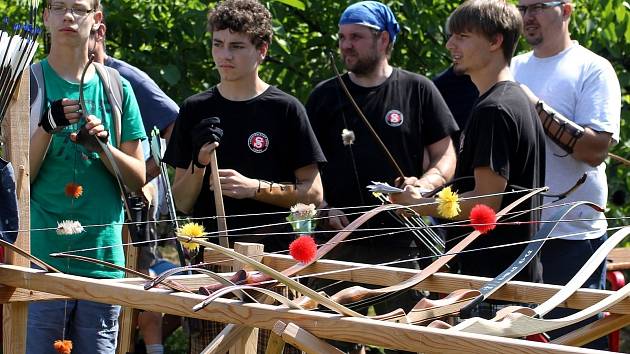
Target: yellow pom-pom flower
x=191, y=229
x=448, y=203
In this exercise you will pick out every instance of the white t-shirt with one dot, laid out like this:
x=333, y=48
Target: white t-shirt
x=583, y=87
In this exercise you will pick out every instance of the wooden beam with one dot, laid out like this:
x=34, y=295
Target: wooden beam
x=11, y=295
x=17, y=136
x=593, y=330
x=322, y=325
x=514, y=291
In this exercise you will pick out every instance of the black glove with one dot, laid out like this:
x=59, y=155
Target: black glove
x=206, y=131
x=89, y=141
x=54, y=119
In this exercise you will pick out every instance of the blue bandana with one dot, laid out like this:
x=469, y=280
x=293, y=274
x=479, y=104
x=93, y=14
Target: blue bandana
x=372, y=14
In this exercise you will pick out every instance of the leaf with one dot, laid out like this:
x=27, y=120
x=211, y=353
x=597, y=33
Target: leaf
x=171, y=74
x=293, y=3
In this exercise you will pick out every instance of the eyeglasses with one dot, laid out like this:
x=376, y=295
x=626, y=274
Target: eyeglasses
x=58, y=9
x=536, y=8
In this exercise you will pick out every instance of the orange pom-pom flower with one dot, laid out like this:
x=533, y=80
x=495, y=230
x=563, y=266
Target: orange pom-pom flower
x=303, y=249
x=63, y=346
x=483, y=218
x=74, y=190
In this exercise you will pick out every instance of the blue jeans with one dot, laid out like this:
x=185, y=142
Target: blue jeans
x=9, y=221
x=561, y=260
x=92, y=326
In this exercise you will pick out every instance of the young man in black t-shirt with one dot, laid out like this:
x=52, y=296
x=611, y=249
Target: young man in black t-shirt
x=268, y=155
x=503, y=142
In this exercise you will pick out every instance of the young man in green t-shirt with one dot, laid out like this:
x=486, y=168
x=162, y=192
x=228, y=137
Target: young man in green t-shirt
x=72, y=181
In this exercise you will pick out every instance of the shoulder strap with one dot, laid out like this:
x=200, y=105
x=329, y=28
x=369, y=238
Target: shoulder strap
x=113, y=89
x=38, y=95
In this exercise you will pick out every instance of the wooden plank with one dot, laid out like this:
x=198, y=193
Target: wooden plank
x=322, y=325
x=17, y=136
x=618, y=259
x=11, y=295
x=515, y=291
x=307, y=342
x=593, y=330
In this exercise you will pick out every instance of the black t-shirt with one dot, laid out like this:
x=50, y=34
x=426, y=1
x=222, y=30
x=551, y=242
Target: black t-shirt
x=406, y=111
x=267, y=137
x=460, y=94
x=503, y=133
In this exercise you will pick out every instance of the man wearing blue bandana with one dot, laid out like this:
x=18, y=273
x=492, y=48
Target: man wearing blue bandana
x=409, y=115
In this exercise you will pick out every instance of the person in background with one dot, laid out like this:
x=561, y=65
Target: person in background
x=581, y=115
x=157, y=110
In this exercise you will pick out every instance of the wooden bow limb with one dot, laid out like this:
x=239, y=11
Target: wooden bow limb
x=573, y=285
x=236, y=289
x=275, y=275
x=104, y=146
x=620, y=159
x=517, y=325
x=377, y=139
x=171, y=284
x=526, y=256
x=358, y=293
x=231, y=333
x=170, y=272
x=47, y=267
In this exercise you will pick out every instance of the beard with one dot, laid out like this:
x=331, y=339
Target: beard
x=363, y=65
x=534, y=41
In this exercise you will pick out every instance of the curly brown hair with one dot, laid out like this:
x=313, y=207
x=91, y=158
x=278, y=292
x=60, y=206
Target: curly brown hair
x=243, y=16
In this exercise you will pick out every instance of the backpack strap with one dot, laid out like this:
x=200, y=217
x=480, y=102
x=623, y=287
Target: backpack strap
x=38, y=95
x=112, y=83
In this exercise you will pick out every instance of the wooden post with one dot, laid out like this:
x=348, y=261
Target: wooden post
x=276, y=343
x=128, y=316
x=243, y=339
x=248, y=343
x=16, y=130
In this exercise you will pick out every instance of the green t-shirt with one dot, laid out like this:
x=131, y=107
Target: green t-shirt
x=99, y=209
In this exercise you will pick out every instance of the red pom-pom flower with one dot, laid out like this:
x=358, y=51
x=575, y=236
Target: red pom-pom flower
x=73, y=190
x=483, y=218
x=63, y=346
x=303, y=249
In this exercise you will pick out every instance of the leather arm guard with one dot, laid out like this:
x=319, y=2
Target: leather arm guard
x=560, y=129
x=279, y=194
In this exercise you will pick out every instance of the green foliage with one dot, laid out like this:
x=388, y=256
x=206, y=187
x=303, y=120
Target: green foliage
x=168, y=40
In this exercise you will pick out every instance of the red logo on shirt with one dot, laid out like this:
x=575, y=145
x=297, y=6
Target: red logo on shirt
x=258, y=142
x=394, y=118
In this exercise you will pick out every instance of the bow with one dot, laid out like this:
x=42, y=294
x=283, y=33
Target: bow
x=388, y=154
x=90, y=139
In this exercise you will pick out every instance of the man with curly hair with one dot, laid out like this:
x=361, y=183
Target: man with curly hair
x=269, y=155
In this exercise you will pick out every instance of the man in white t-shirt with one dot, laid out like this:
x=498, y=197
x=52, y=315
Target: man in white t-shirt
x=583, y=87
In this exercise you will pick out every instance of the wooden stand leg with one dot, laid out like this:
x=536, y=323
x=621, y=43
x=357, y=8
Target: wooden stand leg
x=303, y=340
x=128, y=315
x=239, y=339
x=276, y=344
x=16, y=130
